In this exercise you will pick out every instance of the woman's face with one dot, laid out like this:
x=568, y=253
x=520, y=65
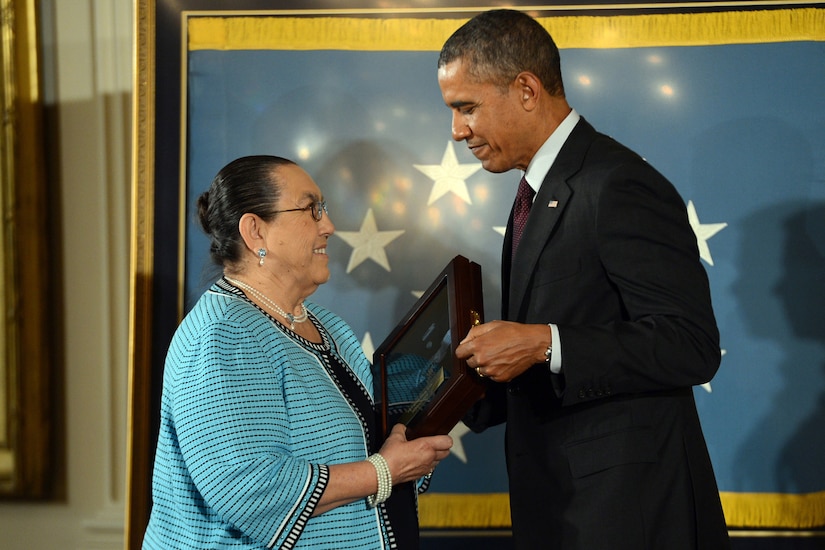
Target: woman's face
x=296, y=243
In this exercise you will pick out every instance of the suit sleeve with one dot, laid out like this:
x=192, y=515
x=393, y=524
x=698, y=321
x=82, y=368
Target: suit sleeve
x=654, y=326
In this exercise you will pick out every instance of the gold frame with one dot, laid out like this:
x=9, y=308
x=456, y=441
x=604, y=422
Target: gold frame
x=29, y=389
x=141, y=267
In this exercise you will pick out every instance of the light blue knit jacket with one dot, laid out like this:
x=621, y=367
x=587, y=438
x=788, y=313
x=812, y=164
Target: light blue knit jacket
x=249, y=422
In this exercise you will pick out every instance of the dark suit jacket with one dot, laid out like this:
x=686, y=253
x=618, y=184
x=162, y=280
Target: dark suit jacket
x=609, y=454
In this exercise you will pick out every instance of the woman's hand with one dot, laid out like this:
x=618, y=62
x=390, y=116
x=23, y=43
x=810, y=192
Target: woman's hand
x=409, y=460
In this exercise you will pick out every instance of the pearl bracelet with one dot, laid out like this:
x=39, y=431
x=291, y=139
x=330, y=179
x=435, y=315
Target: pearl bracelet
x=382, y=469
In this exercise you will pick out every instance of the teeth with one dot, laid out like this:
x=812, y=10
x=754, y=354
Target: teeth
x=320, y=251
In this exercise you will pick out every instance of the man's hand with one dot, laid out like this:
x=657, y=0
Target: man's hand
x=501, y=350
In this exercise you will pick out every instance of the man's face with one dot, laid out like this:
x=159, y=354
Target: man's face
x=492, y=121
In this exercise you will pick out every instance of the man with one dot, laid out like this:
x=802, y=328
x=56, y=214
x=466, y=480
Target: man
x=607, y=319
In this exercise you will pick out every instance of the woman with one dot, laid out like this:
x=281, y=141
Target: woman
x=268, y=432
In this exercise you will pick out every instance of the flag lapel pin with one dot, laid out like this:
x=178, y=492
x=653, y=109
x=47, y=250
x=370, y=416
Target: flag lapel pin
x=552, y=204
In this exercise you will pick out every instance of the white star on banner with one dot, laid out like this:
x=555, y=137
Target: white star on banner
x=368, y=243
x=706, y=385
x=367, y=346
x=458, y=445
x=703, y=232
x=449, y=176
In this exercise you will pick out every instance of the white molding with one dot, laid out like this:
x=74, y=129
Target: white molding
x=106, y=530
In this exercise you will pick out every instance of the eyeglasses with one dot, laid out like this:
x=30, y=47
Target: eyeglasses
x=317, y=209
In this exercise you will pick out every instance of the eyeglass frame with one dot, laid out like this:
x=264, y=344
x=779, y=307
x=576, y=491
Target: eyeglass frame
x=322, y=209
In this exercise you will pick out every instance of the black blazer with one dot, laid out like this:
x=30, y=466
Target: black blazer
x=609, y=453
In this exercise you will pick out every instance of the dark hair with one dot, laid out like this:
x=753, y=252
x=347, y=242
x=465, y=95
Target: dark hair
x=245, y=185
x=499, y=44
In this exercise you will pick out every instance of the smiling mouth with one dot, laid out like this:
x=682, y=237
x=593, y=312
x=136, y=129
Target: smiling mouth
x=320, y=251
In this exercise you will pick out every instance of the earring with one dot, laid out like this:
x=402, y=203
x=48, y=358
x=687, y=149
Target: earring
x=261, y=255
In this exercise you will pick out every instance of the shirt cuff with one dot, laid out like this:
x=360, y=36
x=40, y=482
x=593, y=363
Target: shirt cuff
x=555, y=358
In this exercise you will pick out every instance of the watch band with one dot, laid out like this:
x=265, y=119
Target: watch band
x=548, y=353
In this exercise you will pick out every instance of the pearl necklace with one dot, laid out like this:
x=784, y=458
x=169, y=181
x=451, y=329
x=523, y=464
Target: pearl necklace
x=288, y=316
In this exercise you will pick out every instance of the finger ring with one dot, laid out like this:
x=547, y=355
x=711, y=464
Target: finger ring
x=478, y=370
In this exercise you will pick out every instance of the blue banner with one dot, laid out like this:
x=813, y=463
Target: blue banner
x=738, y=128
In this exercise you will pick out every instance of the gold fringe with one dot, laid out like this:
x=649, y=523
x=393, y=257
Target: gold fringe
x=318, y=33
x=681, y=29
x=742, y=510
x=774, y=510
x=466, y=511
x=387, y=34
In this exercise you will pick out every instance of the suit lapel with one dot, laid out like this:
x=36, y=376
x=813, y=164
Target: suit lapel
x=552, y=199
x=506, y=262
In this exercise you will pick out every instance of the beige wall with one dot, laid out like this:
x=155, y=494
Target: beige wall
x=88, y=71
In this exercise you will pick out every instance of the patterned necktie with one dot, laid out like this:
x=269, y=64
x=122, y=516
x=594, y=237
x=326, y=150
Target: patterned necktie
x=521, y=209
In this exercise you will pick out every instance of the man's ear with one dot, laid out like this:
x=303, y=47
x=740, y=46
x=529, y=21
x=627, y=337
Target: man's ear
x=529, y=88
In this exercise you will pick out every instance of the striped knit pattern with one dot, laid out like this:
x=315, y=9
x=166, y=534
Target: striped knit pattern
x=250, y=419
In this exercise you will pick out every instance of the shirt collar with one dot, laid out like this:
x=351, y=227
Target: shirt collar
x=547, y=153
